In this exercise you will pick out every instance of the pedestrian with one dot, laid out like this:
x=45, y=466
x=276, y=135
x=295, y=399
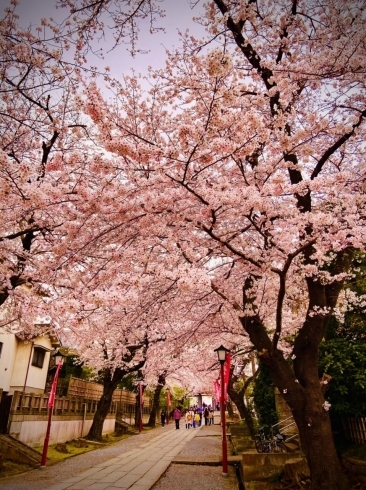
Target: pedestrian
x=176, y=416
x=189, y=419
x=197, y=419
x=199, y=411
x=163, y=417
x=211, y=417
x=206, y=414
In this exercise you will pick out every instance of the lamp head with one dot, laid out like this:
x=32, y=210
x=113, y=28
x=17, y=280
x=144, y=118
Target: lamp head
x=221, y=353
x=58, y=357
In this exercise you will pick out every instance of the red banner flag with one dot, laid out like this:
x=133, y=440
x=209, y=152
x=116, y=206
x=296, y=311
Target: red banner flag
x=227, y=373
x=217, y=390
x=51, y=399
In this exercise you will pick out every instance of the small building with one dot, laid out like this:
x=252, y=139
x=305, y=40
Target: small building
x=201, y=399
x=24, y=363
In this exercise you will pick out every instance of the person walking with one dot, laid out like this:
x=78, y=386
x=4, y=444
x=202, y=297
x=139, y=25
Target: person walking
x=189, y=418
x=176, y=416
x=163, y=417
x=211, y=417
x=206, y=414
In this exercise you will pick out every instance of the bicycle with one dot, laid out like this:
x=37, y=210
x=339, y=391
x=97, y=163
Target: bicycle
x=262, y=444
x=275, y=444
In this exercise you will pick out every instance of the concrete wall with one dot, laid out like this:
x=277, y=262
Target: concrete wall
x=7, y=359
x=31, y=429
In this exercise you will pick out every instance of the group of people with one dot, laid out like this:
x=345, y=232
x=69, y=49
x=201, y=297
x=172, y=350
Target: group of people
x=193, y=416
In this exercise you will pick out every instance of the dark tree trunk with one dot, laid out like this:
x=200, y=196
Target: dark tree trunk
x=302, y=391
x=137, y=410
x=110, y=383
x=229, y=409
x=300, y=384
x=156, y=399
x=237, y=397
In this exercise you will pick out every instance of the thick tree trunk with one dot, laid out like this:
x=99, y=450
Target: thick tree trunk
x=317, y=442
x=229, y=409
x=299, y=383
x=103, y=406
x=110, y=383
x=137, y=410
x=156, y=400
x=238, y=399
x=302, y=391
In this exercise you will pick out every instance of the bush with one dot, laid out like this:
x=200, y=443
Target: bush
x=264, y=398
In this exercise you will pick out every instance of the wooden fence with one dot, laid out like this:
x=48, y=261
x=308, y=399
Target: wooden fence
x=93, y=391
x=31, y=404
x=355, y=429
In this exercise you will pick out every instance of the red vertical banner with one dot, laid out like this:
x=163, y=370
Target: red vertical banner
x=227, y=373
x=51, y=399
x=168, y=398
x=51, y=402
x=217, y=391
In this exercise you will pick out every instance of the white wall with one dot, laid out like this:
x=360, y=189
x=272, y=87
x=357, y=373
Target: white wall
x=36, y=378
x=7, y=359
x=33, y=432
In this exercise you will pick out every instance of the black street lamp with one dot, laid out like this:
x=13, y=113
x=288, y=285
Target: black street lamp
x=221, y=354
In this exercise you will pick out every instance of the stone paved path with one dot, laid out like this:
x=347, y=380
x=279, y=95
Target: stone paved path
x=138, y=463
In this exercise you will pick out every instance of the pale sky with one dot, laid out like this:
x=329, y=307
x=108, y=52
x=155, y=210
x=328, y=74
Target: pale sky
x=178, y=17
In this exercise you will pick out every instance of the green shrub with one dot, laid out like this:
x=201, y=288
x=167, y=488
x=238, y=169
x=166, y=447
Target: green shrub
x=264, y=398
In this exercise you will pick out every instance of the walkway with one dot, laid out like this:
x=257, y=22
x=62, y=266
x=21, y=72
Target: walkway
x=138, y=469
x=137, y=463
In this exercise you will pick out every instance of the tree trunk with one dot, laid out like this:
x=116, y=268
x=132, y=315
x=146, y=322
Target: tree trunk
x=156, y=400
x=302, y=391
x=109, y=385
x=137, y=410
x=237, y=397
x=299, y=383
x=229, y=409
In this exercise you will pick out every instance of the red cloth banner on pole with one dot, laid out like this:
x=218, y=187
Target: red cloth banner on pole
x=168, y=398
x=51, y=402
x=217, y=391
x=51, y=399
x=226, y=374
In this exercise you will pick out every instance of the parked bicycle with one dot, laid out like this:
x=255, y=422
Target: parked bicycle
x=262, y=444
x=271, y=444
x=278, y=444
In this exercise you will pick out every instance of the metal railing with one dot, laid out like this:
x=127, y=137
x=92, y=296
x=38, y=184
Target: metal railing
x=286, y=429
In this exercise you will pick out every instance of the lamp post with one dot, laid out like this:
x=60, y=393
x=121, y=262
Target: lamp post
x=168, y=403
x=221, y=354
x=51, y=401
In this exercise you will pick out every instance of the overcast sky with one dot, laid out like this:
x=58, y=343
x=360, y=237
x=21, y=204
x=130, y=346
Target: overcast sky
x=178, y=17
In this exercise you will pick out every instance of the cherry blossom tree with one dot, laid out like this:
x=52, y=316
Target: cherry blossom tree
x=44, y=145
x=251, y=158
x=231, y=195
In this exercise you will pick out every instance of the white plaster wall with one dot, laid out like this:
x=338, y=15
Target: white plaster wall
x=21, y=364
x=7, y=359
x=36, y=379
x=33, y=433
